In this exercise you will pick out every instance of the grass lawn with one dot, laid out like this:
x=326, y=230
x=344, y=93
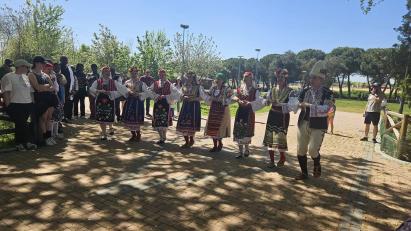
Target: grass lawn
x=347, y=105
x=6, y=140
x=351, y=105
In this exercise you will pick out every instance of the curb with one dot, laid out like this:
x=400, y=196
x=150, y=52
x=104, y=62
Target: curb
x=388, y=157
x=5, y=150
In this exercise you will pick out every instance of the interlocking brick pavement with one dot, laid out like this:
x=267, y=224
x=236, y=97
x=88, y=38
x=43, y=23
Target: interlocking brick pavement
x=87, y=184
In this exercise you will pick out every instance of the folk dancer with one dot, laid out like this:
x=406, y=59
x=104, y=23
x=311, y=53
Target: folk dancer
x=164, y=94
x=219, y=119
x=275, y=137
x=249, y=101
x=189, y=119
x=133, y=110
x=315, y=101
x=106, y=90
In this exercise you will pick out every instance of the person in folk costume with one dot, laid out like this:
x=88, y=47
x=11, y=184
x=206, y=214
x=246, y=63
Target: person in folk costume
x=315, y=102
x=189, y=119
x=278, y=120
x=249, y=101
x=219, y=119
x=133, y=110
x=106, y=90
x=164, y=94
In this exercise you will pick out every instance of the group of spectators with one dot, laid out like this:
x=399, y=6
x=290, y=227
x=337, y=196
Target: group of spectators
x=49, y=93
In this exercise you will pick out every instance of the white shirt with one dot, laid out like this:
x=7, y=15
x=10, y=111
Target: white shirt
x=19, y=88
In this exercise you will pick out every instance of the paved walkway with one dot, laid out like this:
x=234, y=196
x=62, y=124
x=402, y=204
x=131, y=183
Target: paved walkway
x=86, y=184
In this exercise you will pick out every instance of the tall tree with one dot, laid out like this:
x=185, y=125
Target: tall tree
x=198, y=53
x=404, y=38
x=351, y=59
x=233, y=69
x=289, y=60
x=155, y=52
x=108, y=50
x=268, y=69
x=306, y=59
x=33, y=29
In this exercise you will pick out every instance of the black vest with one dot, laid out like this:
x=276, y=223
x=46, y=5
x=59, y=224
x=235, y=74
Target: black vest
x=315, y=122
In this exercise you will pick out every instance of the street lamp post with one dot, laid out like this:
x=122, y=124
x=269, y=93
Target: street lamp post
x=183, y=64
x=239, y=69
x=256, y=66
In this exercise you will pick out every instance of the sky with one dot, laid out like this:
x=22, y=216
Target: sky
x=239, y=27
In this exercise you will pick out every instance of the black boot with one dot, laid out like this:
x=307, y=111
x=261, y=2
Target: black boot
x=191, y=143
x=186, y=144
x=138, y=136
x=214, y=149
x=133, y=136
x=220, y=145
x=317, y=167
x=302, y=160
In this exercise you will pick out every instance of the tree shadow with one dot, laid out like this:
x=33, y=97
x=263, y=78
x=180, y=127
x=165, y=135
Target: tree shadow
x=116, y=185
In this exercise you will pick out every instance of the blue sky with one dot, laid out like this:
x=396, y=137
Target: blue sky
x=238, y=27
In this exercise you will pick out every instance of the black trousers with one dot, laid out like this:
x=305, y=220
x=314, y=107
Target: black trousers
x=68, y=108
x=19, y=113
x=117, y=106
x=148, y=106
x=79, y=98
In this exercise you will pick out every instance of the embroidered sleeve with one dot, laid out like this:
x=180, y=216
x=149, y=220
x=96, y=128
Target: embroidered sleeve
x=144, y=94
x=321, y=110
x=93, y=88
x=121, y=91
x=174, y=95
x=228, y=97
x=204, y=96
x=292, y=105
x=151, y=92
x=258, y=103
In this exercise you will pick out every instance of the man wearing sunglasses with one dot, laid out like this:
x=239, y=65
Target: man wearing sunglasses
x=315, y=101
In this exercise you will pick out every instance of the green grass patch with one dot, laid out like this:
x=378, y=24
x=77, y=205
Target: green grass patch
x=346, y=105
x=6, y=140
x=358, y=106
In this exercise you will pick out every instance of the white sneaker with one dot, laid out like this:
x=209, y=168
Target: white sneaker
x=49, y=142
x=53, y=140
x=20, y=148
x=30, y=146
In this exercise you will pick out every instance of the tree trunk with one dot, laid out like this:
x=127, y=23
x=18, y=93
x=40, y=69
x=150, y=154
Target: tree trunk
x=340, y=85
x=349, y=85
x=391, y=90
x=369, y=84
x=396, y=93
x=402, y=102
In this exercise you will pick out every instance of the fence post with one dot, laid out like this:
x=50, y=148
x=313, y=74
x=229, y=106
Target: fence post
x=386, y=124
x=403, y=134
